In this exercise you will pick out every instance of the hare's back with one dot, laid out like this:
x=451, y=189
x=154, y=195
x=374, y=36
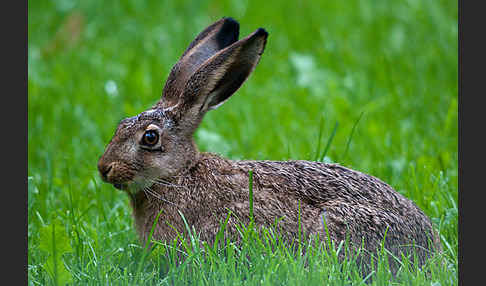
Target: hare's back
x=320, y=183
x=347, y=199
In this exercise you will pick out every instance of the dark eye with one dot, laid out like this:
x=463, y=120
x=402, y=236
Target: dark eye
x=150, y=138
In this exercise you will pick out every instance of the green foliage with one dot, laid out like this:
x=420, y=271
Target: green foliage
x=371, y=85
x=55, y=241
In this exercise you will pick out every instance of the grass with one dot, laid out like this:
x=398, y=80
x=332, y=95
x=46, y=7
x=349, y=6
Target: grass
x=370, y=85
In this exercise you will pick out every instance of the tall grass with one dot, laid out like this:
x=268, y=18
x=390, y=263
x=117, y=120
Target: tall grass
x=366, y=84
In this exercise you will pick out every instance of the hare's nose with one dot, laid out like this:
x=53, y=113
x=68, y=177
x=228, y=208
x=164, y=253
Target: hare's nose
x=104, y=170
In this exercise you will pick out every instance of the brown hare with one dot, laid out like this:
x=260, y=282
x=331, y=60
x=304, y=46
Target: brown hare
x=153, y=157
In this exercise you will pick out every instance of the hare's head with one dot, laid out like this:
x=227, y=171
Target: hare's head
x=157, y=143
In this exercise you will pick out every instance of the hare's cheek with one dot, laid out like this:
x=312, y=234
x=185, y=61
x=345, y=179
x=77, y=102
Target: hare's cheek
x=152, y=169
x=152, y=174
x=164, y=167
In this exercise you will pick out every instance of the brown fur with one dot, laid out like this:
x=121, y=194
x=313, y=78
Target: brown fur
x=174, y=176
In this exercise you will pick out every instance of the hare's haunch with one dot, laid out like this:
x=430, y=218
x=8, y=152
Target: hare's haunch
x=153, y=157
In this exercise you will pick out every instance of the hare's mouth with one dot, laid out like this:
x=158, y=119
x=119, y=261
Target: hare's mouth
x=120, y=186
x=132, y=186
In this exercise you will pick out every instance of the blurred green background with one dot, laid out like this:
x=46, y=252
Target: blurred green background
x=379, y=78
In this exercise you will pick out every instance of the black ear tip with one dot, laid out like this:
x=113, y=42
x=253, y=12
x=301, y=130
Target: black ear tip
x=228, y=33
x=231, y=21
x=261, y=32
x=230, y=25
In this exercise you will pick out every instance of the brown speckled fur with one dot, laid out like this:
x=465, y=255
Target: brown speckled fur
x=173, y=176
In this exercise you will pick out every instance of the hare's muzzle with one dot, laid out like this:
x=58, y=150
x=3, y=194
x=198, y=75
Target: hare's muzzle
x=104, y=170
x=116, y=173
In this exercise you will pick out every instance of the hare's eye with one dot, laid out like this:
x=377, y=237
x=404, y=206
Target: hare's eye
x=150, y=138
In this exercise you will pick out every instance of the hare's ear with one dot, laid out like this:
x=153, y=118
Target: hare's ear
x=224, y=73
x=217, y=36
x=219, y=77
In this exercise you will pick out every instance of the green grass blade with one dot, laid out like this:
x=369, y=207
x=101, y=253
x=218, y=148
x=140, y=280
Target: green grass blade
x=351, y=136
x=250, y=190
x=329, y=141
x=146, y=248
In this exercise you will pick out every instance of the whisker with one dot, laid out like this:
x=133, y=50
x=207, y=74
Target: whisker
x=168, y=184
x=148, y=191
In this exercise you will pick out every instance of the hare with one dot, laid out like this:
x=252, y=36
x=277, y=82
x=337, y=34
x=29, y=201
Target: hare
x=154, y=159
